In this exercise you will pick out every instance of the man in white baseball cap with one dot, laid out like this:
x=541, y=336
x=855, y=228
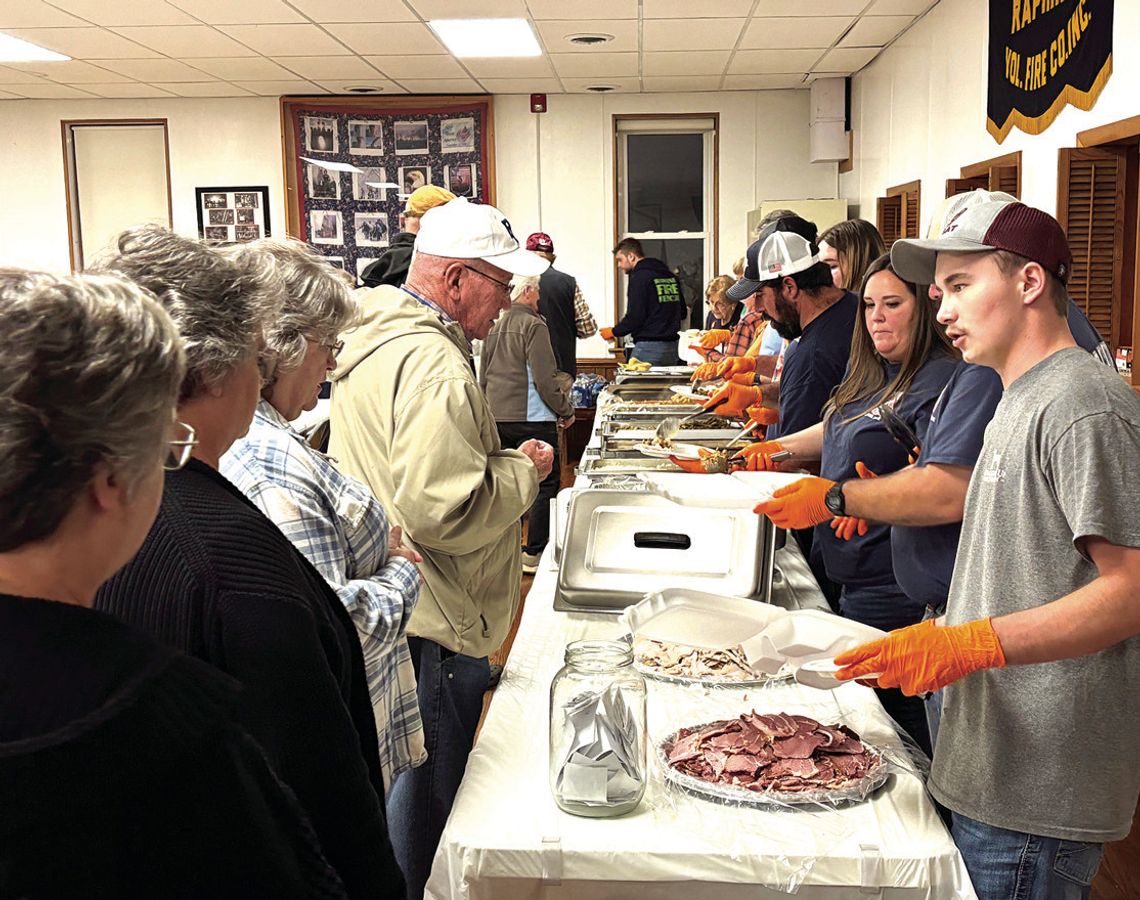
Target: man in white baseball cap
x=409, y=418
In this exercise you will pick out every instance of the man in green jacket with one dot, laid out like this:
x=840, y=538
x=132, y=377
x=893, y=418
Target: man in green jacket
x=409, y=418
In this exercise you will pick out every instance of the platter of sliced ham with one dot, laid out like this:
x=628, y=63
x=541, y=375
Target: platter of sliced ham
x=776, y=759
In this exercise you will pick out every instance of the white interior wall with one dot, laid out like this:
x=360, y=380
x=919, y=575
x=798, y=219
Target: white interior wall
x=919, y=110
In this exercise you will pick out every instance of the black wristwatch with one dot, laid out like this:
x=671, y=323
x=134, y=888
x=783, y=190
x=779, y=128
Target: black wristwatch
x=834, y=501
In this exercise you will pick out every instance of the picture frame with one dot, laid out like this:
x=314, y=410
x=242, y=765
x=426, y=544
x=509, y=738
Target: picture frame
x=233, y=214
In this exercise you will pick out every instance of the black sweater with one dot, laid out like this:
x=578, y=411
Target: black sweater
x=654, y=305
x=216, y=579
x=391, y=266
x=123, y=775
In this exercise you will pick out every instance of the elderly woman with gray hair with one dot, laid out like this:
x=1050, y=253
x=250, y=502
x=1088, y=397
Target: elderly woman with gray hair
x=112, y=746
x=334, y=520
x=216, y=579
x=529, y=397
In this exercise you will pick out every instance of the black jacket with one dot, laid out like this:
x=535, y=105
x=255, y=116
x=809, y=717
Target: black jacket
x=218, y=580
x=391, y=266
x=123, y=774
x=655, y=305
x=556, y=304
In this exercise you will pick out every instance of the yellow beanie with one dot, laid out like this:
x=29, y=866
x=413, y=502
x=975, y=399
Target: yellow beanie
x=424, y=198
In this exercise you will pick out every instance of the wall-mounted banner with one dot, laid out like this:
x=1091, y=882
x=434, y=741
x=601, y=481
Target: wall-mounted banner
x=1044, y=54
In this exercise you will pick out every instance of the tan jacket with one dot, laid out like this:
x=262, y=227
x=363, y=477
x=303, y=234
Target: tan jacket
x=409, y=419
x=518, y=371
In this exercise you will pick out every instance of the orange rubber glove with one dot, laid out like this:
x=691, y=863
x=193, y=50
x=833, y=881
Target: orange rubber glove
x=704, y=372
x=711, y=339
x=606, y=333
x=735, y=365
x=761, y=415
x=925, y=657
x=758, y=457
x=846, y=527
x=799, y=504
x=732, y=400
x=745, y=378
x=692, y=466
x=701, y=351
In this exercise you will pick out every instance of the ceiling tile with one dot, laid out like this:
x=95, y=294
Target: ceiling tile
x=241, y=68
x=276, y=88
x=587, y=64
x=34, y=14
x=682, y=84
x=679, y=9
x=521, y=85
x=441, y=86
x=152, y=70
x=762, y=82
x=48, y=91
x=185, y=40
x=350, y=10
x=401, y=67
x=71, y=72
x=847, y=59
x=875, y=31
x=8, y=95
x=280, y=40
x=470, y=9
x=585, y=9
x=397, y=37
x=554, y=34
x=128, y=12
x=21, y=73
x=204, y=89
x=755, y=62
x=900, y=7
x=809, y=7
x=323, y=68
x=794, y=33
x=342, y=86
x=127, y=90
x=227, y=12
x=707, y=62
x=623, y=85
x=815, y=76
x=84, y=43
x=518, y=67
x=690, y=34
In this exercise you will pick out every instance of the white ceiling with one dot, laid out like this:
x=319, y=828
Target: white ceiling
x=231, y=48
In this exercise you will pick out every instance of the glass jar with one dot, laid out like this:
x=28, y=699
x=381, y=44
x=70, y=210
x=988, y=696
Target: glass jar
x=597, y=730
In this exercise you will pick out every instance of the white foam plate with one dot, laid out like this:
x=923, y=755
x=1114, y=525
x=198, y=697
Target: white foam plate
x=820, y=673
x=698, y=618
x=679, y=450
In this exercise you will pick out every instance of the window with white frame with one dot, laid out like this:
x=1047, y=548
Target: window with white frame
x=666, y=190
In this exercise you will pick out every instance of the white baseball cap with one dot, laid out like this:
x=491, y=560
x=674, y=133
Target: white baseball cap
x=785, y=253
x=463, y=230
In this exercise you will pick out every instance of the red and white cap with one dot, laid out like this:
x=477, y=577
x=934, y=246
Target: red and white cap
x=463, y=230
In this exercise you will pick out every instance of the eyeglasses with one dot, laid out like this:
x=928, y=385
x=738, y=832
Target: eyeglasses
x=333, y=349
x=505, y=285
x=179, y=447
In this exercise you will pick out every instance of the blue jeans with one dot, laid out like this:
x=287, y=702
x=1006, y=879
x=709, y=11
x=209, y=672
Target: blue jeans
x=450, y=690
x=1009, y=865
x=660, y=353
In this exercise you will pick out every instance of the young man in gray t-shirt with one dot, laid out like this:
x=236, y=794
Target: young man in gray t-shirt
x=1040, y=645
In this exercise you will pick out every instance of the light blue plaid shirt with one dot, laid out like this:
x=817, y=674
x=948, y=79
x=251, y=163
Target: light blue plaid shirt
x=343, y=531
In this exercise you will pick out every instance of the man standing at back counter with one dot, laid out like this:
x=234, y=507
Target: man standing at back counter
x=655, y=306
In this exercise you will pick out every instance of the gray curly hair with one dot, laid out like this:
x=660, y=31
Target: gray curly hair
x=90, y=374
x=318, y=302
x=220, y=305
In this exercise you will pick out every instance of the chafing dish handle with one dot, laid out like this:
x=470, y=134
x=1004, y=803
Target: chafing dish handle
x=661, y=540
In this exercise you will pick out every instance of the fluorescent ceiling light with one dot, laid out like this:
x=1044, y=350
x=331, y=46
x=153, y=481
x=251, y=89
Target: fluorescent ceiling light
x=12, y=49
x=467, y=38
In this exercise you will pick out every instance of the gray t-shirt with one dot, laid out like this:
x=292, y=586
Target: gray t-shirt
x=1050, y=749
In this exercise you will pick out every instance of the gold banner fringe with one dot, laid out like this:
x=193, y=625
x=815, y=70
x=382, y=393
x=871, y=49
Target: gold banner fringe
x=1069, y=96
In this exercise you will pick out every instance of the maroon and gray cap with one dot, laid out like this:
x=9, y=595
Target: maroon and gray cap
x=997, y=225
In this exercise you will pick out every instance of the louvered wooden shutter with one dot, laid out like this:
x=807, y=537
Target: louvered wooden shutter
x=1005, y=178
x=889, y=219
x=1090, y=207
x=910, y=204
x=956, y=186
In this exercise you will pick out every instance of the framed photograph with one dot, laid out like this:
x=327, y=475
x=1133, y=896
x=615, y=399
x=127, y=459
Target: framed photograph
x=365, y=138
x=325, y=227
x=233, y=214
x=460, y=179
x=364, y=185
x=323, y=184
x=457, y=135
x=411, y=138
x=371, y=229
x=337, y=262
x=320, y=135
x=412, y=177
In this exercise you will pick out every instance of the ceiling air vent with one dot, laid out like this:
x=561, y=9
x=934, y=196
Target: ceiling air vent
x=601, y=88
x=363, y=89
x=589, y=40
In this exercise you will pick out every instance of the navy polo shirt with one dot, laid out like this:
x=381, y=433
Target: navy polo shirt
x=924, y=556
x=815, y=367
x=856, y=433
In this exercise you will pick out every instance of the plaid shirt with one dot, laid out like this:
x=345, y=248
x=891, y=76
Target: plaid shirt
x=584, y=323
x=343, y=531
x=742, y=336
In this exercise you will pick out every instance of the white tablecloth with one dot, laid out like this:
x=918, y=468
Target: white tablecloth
x=507, y=839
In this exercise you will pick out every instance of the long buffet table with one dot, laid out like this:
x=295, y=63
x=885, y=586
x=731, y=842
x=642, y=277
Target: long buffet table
x=507, y=839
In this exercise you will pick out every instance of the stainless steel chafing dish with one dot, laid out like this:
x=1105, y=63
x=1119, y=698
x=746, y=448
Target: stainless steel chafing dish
x=594, y=467
x=622, y=448
x=697, y=431
x=641, y=409
x=635, y=390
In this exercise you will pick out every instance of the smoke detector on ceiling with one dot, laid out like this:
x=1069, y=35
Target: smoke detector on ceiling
x=589, y=40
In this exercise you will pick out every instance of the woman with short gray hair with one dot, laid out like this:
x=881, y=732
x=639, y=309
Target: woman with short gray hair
x=112, y=745
x=334, y=520
x=216, y=579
